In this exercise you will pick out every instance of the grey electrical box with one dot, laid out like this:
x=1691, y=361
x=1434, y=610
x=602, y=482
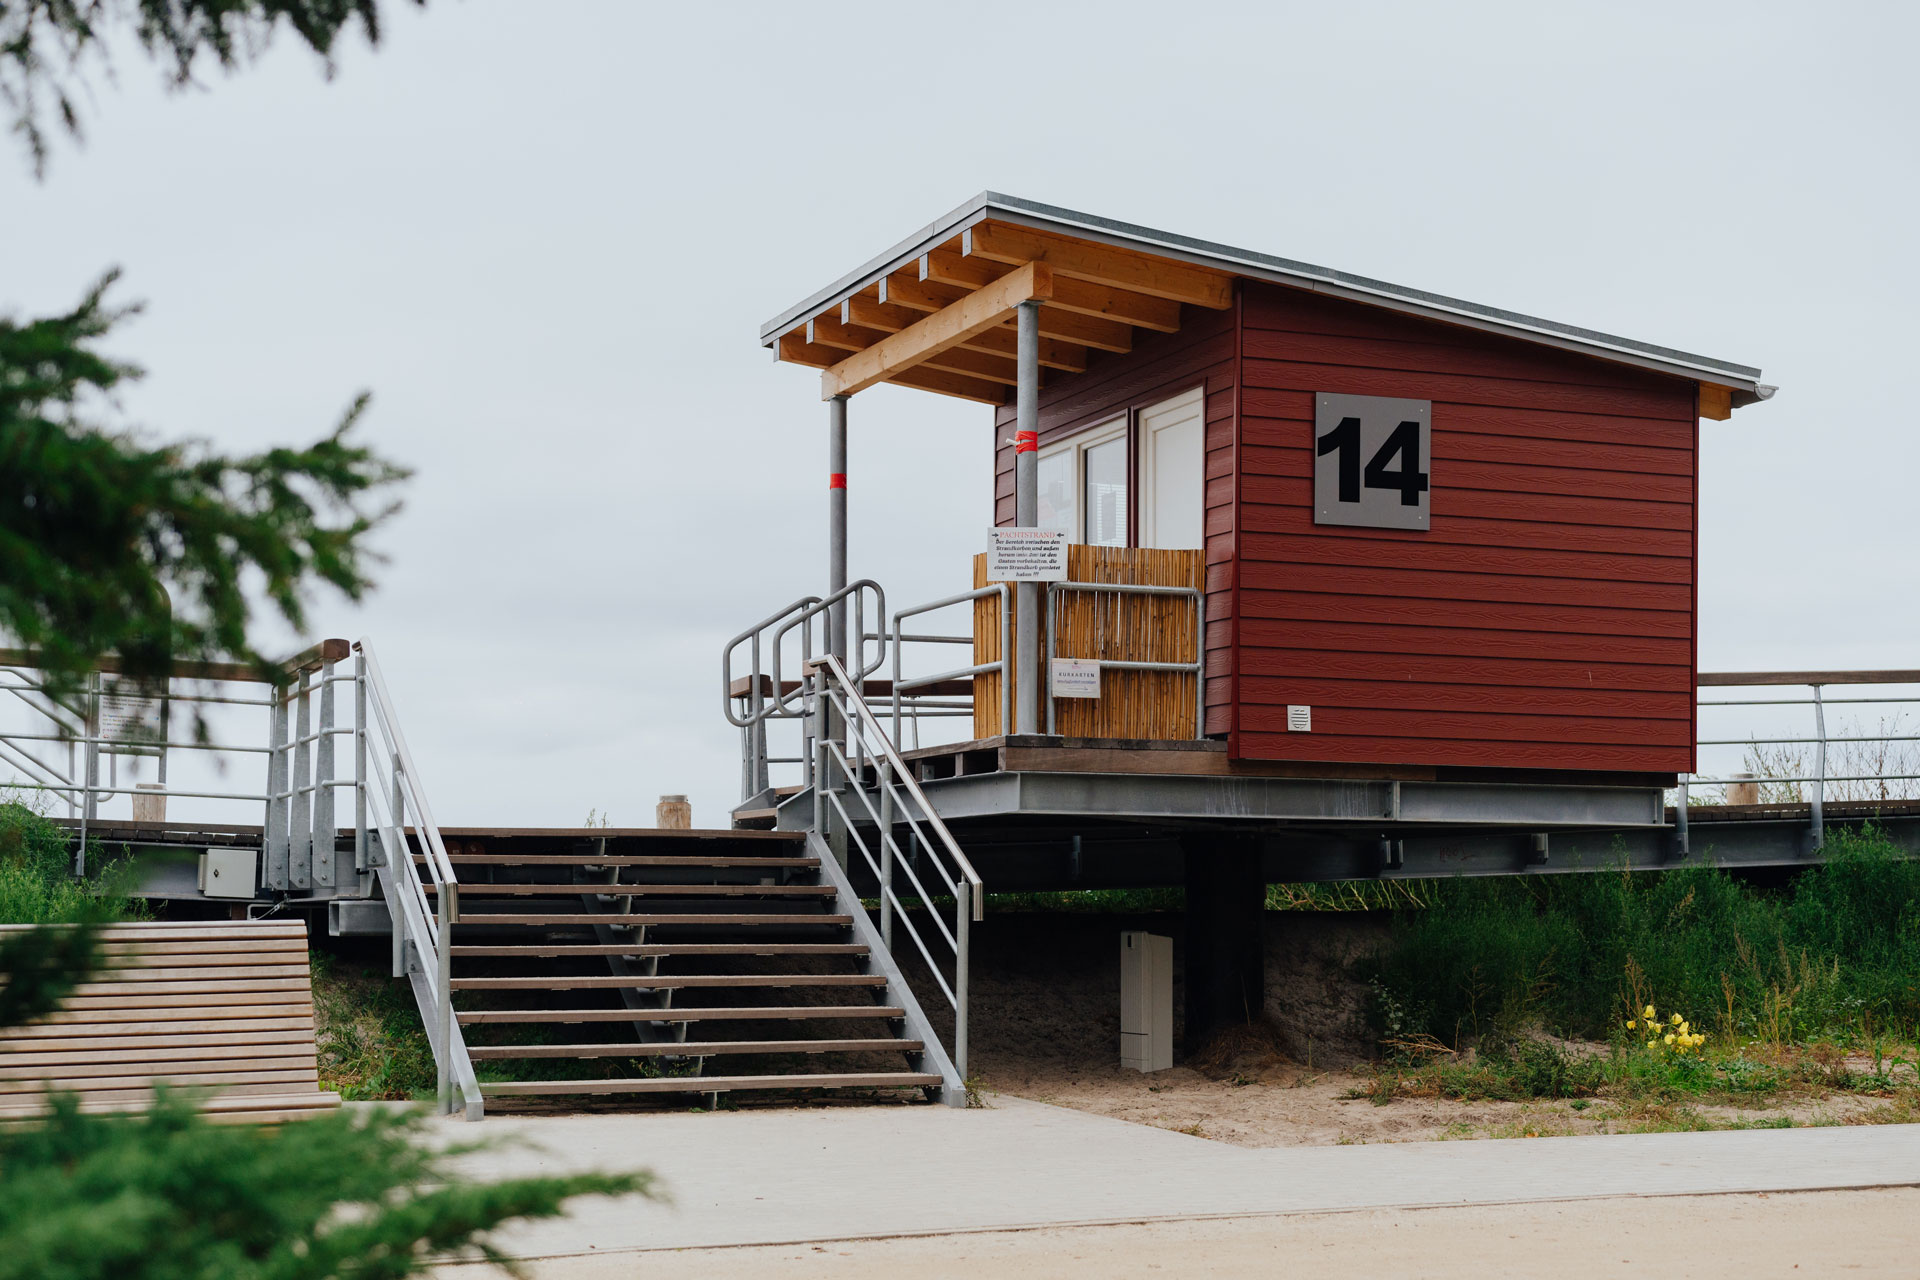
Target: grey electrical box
x=1146, y=1001
x=228, y=873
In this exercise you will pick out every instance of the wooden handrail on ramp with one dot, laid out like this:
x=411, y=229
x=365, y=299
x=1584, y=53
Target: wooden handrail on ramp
x=222, y=1009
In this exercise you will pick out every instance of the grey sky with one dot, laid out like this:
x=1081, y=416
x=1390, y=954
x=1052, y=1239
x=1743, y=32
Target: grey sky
x=544, y=236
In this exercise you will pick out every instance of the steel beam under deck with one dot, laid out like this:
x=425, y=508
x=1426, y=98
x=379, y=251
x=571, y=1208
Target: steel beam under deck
x=1269, y=801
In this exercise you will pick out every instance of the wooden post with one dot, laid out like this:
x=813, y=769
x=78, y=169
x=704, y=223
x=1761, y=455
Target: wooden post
x=673, y=813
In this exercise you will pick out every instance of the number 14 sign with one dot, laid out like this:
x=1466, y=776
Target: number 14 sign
x=1370, y=463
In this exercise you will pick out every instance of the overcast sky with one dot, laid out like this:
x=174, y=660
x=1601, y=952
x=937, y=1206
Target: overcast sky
x=544, y=236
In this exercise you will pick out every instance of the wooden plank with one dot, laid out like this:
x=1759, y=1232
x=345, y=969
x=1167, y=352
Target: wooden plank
x=141, y=981
x=711, y=1084
x=1100, y=264
x=1742, y=678
x=1520, y=361
x=944, y=267
x=1464, y=389
x=175, y=1073
x=192, y=996
x=202, y=965
x=1450, y=502
x=1265, y=409
x=963, y=358
x=756, y=918
x=1502, y=615
x=1394, y=669
x=669, y=982
x=632, y=890
x=691, y=1048
x=772, y=1013
x=1305, y=687
x=1492, y=725
x=143, y=1025
x=630, y=860
x=140, y=1095
x=1077, y=296
x=118, y=1043
x=830, y=331
x=237, y=1108
x=925, y=296
x=951, y=384
x=1509, y=474
x=1368, y=637
x=1716, y=402
x=1674, y=544
x=1299, y=571
x=795, y=348
x=18, y=1064
x=159, y=1016
x=666, y=949
x=976, y=313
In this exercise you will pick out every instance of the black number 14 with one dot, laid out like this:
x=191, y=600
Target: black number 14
x=1403, y=444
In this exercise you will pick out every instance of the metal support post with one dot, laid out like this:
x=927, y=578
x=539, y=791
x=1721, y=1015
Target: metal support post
x=1817, y=837
x=837, y=525
x=90, y=804
x=322, y=838
x=300, y=803
x=885, y=835
x=274, y=832
x=1026, y=506
x=360, y=766
x=443, y=987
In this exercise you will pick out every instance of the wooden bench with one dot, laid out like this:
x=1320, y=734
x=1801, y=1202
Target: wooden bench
x=222, y=1009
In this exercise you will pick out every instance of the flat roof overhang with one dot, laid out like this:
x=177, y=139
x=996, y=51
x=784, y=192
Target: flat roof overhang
x=935, y=312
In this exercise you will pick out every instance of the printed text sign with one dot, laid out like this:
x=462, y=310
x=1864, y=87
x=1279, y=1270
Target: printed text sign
x=1371, y=460
x=1026, y=555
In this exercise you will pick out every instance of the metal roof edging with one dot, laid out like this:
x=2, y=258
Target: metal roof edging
x=1742, y=379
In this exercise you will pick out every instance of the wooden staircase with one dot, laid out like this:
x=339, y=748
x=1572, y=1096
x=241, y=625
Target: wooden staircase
x=667, y=962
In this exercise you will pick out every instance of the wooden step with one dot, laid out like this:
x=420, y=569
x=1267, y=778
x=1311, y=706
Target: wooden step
x=714, y=1084
x=618, y=860
x=692, y=1049
x=669, y=982
x=646, y=890
x=559, y=949
x=772, y=1013
x=686, y=918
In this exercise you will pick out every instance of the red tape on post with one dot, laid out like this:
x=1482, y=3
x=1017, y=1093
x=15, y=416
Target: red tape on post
x=1026, y=442
x=836, y=480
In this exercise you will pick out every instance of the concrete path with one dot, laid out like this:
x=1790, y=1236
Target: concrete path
x=767, y=1177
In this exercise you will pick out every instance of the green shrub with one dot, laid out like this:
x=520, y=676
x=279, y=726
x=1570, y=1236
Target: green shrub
x=37, y=885
x=1836, y=953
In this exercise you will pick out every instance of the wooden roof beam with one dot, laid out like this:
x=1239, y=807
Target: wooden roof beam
x=1098, y=264
x=905, y=289
x=979, y=312
x=943, y=266
x=1716, y=402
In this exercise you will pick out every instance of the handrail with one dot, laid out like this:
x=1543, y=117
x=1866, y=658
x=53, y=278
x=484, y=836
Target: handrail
x=1821, y=740
x=902, y=683
x=428, y=925
x=900, y=800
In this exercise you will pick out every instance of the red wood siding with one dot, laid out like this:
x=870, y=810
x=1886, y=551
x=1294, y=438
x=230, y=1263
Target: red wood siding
x=1160, y=366
x=1545, y=621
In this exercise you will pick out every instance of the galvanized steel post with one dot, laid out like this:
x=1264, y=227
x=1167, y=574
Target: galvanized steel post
x=360, y=778
x=323, y=838
x=837, y=524
x=1026, y=513
x=1817, y=837
x=300, y=803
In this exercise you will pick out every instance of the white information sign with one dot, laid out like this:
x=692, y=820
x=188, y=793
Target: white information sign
x=1026, y=555
x=1299, y=719
x=1076, y=678
x=131, y=723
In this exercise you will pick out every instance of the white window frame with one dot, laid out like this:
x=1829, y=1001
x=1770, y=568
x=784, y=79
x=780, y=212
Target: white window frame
x=1193, y=398
x=1076, y=446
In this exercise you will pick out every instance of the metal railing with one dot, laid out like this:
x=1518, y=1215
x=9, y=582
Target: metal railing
x=300, y=858
x=1906, y=692
x=857, y=762
x=753, y=701
x=949, y=705
x=1197, y=668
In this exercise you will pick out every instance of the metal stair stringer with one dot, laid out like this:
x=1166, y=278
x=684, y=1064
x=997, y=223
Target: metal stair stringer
x=934, y=1057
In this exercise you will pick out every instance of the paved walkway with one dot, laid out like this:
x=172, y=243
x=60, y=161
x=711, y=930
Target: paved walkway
x=766, y=1177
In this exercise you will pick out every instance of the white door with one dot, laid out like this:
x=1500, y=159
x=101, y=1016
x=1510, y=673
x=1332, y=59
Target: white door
x=1173, y=473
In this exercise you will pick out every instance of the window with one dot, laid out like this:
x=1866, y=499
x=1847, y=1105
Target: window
x=1083, y=486
x=1173, y=473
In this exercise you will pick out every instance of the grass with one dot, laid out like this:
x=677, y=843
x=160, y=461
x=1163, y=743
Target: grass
x=1832, y=956
x=36, y=881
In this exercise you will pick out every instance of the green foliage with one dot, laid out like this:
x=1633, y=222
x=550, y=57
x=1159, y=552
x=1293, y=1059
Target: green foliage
x=44, y=45
x=371, y=1044
x=1837, y=953
x=107, y=545
x=169, y=1196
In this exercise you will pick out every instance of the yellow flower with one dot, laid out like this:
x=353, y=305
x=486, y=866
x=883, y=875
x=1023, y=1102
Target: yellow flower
x=1652, y=1043
x=1630, y=1024
x=1676, y=1019
x=1669, y=1037
x=1648, y=1013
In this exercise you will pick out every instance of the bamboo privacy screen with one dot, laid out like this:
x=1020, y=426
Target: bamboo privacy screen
x=1112, y=627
